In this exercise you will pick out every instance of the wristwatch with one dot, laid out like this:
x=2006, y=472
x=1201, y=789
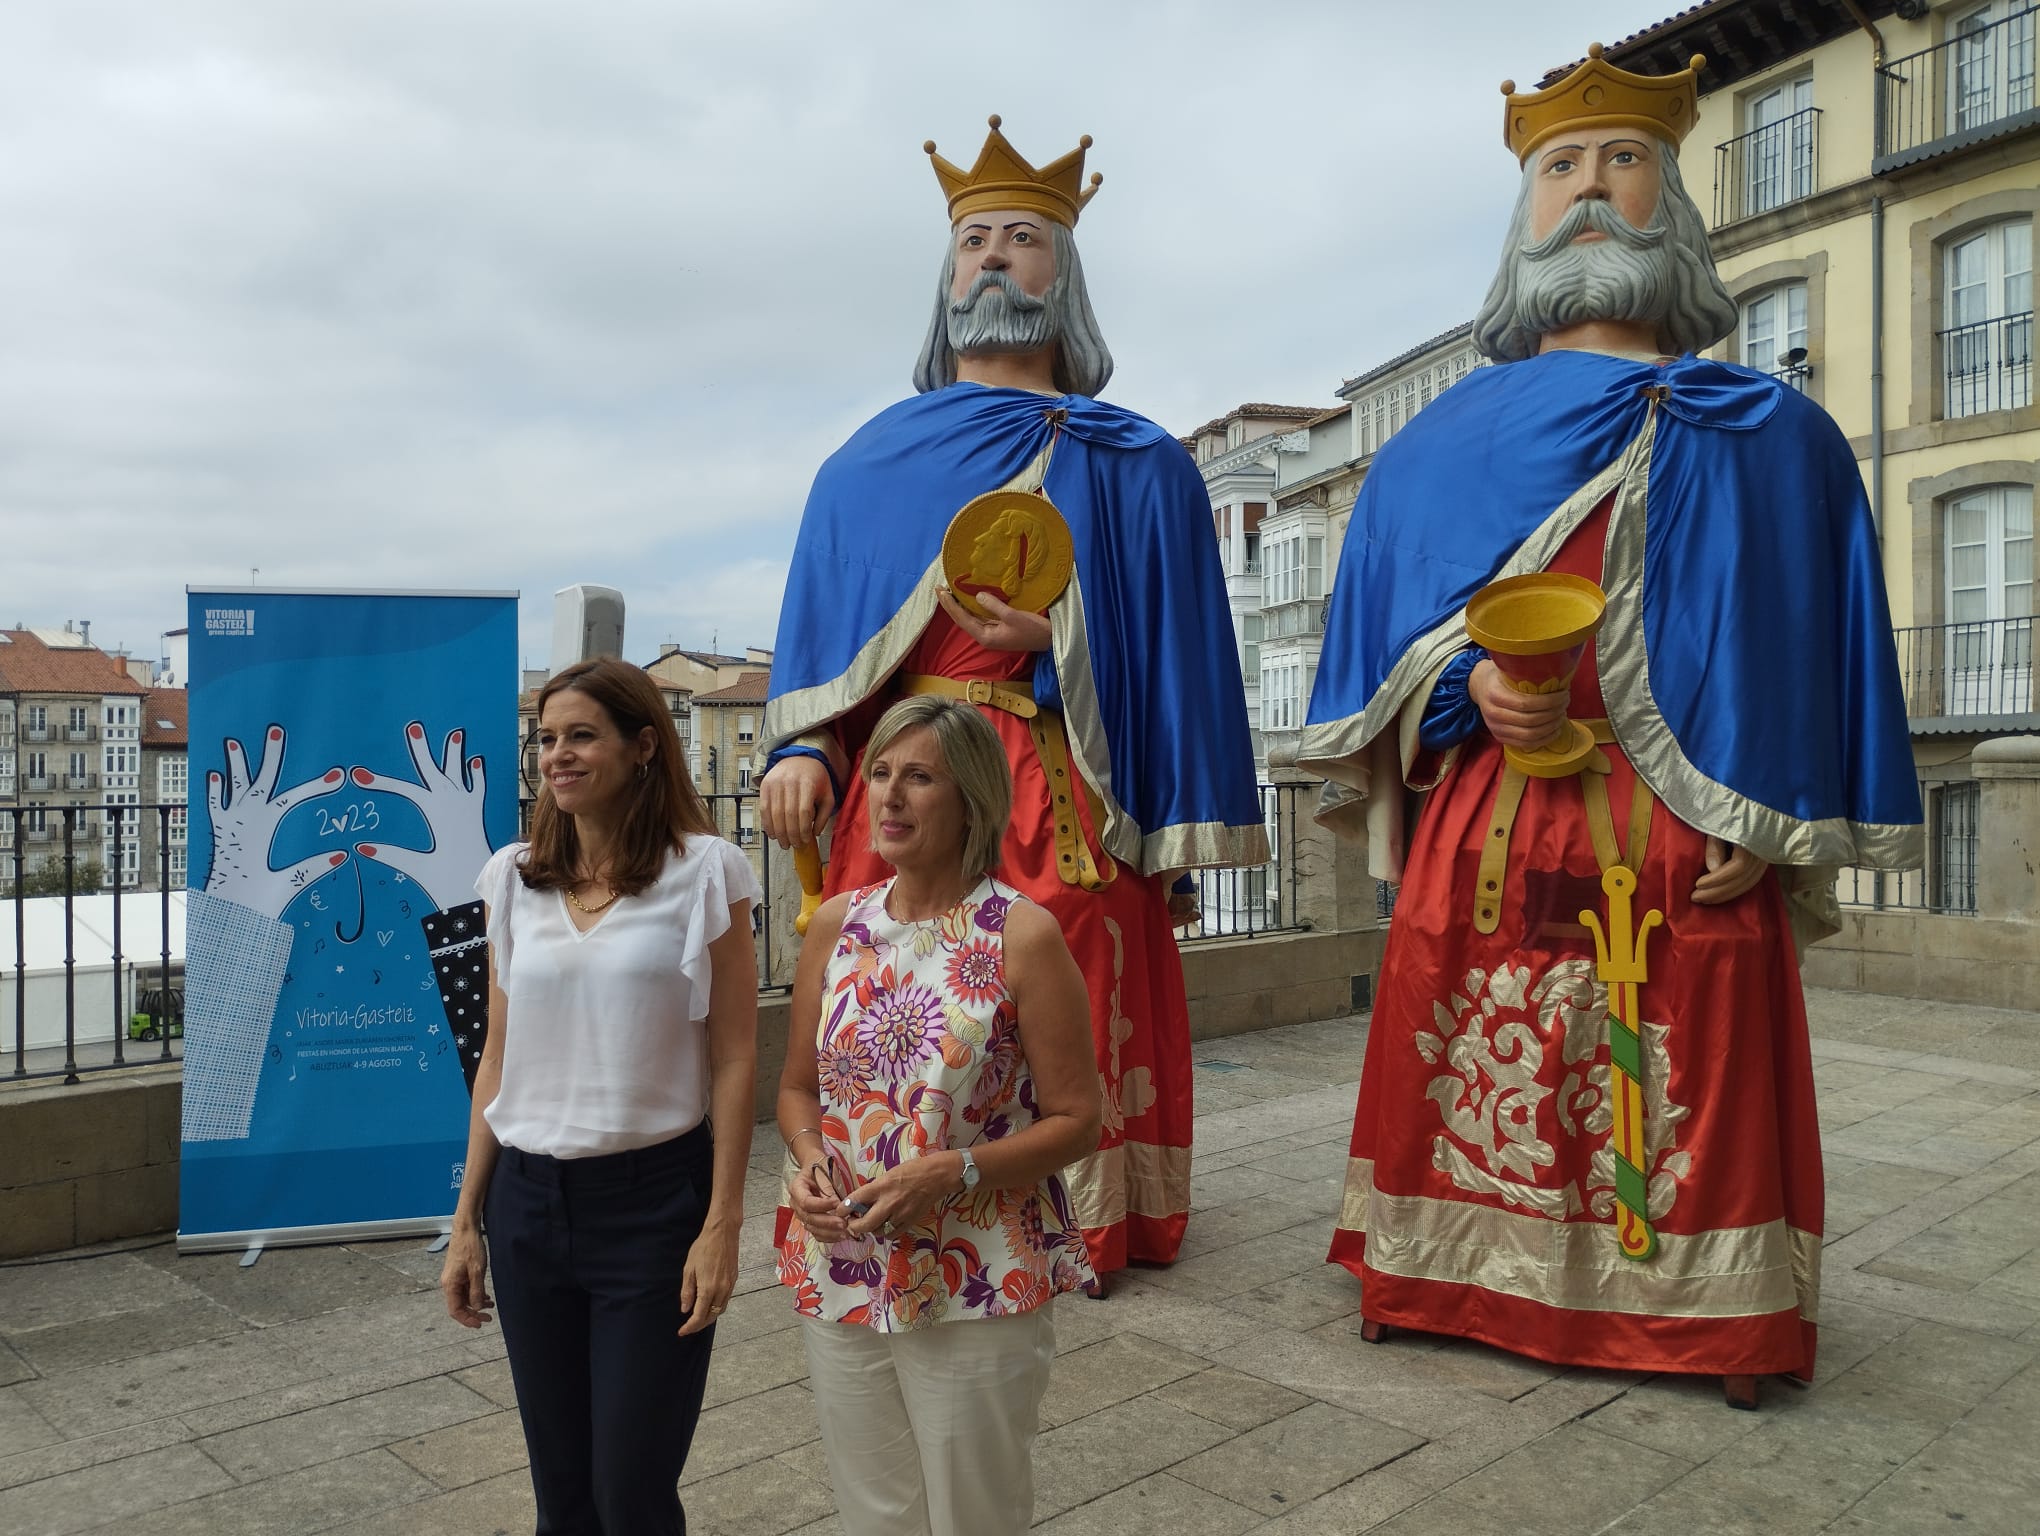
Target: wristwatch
x=970, y=1171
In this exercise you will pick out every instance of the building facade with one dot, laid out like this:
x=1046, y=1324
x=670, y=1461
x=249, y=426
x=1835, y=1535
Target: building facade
x=1871, y=175
x=728, y=759
x=166, y=782
x=1238, y=454
x=70, y=746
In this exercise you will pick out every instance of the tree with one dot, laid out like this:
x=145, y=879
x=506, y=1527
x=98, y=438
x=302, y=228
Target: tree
x=89, y=879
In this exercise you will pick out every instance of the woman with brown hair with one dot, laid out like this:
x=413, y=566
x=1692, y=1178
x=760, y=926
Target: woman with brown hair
x=612, y=1114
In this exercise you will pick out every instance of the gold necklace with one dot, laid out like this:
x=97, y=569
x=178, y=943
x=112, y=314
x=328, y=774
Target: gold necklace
x=591, y=911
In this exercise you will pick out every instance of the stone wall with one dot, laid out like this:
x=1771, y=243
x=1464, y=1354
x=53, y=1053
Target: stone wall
x=89, y=1163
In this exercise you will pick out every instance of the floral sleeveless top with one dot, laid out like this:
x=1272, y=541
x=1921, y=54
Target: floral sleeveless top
x=919, y=1052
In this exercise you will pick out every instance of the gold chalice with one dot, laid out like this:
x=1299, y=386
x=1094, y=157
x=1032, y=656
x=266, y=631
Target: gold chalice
x=1536, y=627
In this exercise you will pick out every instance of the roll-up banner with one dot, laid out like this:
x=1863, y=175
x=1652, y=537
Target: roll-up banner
x=353, y=763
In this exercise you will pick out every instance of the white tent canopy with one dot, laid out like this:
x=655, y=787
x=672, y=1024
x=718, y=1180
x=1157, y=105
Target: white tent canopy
x=32, y=950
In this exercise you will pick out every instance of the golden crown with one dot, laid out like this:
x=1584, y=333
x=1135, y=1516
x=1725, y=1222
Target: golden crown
x=1598, y=95
x=1003, y=179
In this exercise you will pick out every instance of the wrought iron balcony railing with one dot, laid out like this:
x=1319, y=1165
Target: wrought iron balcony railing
x=1977, y=85
x=1955, y=671
x=1987, y=366
x=1767, y=167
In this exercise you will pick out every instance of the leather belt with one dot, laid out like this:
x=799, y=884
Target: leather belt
x=1013, y=698
x=1593, y=781
x=1074, y=861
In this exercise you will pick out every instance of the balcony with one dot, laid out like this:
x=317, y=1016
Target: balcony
x=37, y=783
x=1975, y=87
x=81, y=733
x=1767, y=167
x=35, y=733
x=81, y=781
x=1968, y=677
x=1987, y=366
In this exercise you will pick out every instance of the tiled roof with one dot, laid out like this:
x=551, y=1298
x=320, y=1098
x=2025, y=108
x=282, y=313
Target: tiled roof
x=1255, y=410
x=748, y=689
x=705, y=658
x=165, y=718
x=29, y=666
x=1457, y=333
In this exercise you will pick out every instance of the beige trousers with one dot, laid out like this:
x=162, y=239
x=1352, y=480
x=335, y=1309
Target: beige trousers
x=931, y=1432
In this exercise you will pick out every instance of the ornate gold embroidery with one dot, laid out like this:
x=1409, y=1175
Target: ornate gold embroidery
x=1128, y=1095
x=1496, y=1043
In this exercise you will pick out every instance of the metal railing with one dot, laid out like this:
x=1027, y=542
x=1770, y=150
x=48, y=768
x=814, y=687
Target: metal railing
x=1982, y=669
x=1987, y=366
x=1767, y=167
x=1975, y=86
x=143, y=1021
x=1947, y=885
x=1241, y=903
x=148, y=1016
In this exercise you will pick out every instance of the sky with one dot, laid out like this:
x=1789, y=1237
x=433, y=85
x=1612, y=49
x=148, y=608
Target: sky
x=512, y=294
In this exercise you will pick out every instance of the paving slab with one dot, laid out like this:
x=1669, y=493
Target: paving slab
x=1289, y=1461
x=326, y=1389
x=276, y=1446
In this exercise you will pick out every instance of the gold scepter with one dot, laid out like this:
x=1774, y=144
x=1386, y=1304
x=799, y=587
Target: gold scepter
x=807, y=864
x=1619, y=951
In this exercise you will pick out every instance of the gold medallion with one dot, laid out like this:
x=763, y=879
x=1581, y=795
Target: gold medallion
x=1012, y=544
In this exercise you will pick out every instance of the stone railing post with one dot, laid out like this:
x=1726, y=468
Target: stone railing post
x=1333, y=891
x=2007, y=772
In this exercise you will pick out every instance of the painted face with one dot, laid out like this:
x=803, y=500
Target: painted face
x=917, y=812
x=1016, y=243
x=1615, y=165
x=584, y=759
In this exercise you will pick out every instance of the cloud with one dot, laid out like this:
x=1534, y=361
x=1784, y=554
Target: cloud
x=481, y=293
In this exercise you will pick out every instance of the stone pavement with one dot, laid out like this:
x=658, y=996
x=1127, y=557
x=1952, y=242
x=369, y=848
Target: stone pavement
x=325, y=1389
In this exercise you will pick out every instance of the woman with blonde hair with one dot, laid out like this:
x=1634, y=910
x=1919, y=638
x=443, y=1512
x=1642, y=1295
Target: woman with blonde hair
x=950, y=1076
x=612, y=1107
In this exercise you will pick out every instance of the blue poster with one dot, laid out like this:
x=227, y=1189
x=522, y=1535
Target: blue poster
x=353, y=763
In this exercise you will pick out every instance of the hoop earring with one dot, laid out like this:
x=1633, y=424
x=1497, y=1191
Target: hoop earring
x=641, y=772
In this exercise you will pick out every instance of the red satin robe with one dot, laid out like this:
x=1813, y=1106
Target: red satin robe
x=1479, y=1190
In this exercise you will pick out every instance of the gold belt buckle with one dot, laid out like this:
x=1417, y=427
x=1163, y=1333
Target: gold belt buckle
x=979, y=690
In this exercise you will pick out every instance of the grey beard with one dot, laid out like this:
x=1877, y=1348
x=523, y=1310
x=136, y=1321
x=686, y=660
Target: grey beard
x=1627, y=276
x=998, y=316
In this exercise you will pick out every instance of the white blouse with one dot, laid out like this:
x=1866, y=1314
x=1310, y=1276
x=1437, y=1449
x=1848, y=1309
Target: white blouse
x=605, y=1047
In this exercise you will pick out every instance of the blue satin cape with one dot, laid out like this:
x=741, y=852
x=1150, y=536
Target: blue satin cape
x=1156, y=622
x=1758, y=549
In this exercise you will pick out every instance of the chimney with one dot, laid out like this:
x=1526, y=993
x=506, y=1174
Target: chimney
x=85, y=630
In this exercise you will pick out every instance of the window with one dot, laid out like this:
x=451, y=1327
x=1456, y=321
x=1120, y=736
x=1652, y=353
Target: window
x=1951, y=809
x=38, y=723
x=747, y=727
x=173, y=781
x=1252, y=627
x=1992, y=64
x=1990, y=601
x=1253, y=541
x=743, y=773
x=6, y=773
x=178, y=827
x=35, y=767
x=1778, y=147
x=747, y=821
x=1773, y=324
x=1987, y=348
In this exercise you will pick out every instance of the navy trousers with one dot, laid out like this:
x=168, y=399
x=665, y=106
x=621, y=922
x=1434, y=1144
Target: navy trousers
x=586, y=1256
